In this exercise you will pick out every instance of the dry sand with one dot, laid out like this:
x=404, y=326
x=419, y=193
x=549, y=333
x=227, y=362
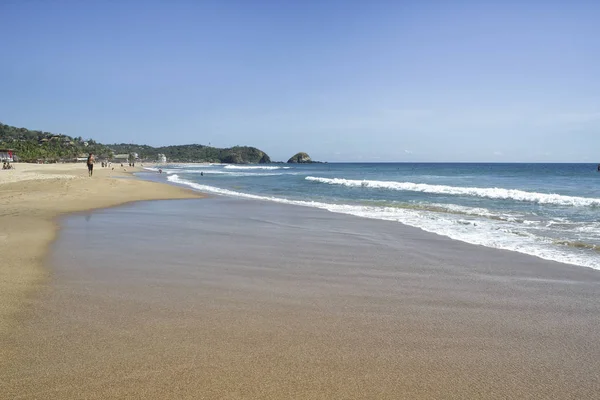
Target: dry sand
x=32, y=197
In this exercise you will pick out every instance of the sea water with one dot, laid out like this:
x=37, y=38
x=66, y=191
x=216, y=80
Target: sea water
x=551, y=211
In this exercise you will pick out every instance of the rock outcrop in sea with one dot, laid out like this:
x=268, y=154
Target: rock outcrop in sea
x=300, y=158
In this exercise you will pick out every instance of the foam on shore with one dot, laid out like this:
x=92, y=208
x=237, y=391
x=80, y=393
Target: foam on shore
x=490, y=233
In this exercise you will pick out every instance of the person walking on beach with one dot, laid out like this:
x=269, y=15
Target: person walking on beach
x=90, y=164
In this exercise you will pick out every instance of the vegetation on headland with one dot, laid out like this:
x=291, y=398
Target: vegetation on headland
x=33, y=146
x=301, y=158
x=196, y=153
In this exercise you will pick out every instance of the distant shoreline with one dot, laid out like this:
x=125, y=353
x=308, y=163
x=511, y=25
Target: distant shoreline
x=156, y=164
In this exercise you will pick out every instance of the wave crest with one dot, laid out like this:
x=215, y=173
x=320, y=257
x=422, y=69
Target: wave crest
x=491, y=234
x=253, y=167
x=490, y=193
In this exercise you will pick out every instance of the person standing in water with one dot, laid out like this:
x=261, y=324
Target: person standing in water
x=90, y=164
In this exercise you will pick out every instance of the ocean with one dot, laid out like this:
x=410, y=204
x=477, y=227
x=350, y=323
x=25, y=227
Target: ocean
x=551, y=211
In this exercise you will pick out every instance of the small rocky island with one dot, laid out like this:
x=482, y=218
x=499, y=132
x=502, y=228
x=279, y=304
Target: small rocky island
x=300, y=158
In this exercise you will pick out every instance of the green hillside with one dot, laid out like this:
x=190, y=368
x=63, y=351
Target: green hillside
x=196, y=153
x=31, y=146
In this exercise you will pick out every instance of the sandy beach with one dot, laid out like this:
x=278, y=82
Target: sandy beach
x=238, y=299
x=352, y=200
x=32, y=196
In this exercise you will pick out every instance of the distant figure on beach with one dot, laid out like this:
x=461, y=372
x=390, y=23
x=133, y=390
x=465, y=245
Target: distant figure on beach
x=201, y=173
x=90, y=164
x=160, y=171
x=598, y=167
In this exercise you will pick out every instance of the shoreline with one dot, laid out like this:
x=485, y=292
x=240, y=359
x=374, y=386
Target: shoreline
x=33, y=198
x=499, y=228
x=244, y=299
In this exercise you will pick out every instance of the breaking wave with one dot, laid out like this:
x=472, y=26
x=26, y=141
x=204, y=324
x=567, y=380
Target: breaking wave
x=490, y=233
x=490, y=193
x=253, y=167
x=209, y=171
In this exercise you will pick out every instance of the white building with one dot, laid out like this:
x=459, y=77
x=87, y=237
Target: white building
x=120, y=158
x=161, y=159
x=6, y=155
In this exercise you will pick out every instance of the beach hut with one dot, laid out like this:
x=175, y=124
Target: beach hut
x=7, y=155
x=120, y=158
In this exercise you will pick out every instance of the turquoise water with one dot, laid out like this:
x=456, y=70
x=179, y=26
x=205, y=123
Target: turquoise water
x=547, y=210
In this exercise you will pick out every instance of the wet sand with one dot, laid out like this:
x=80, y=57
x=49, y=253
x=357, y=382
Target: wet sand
x=31, y=198
x=223, y=298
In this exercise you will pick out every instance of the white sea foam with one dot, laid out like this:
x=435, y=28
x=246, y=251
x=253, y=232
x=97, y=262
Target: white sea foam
x=496, y=234
x=219, y=172
x=490, y=193
x=477, y=211
x=268, y=167
x=484, y=212
x=593, y=227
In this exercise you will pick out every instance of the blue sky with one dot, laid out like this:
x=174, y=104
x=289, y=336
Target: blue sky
x=341, y=80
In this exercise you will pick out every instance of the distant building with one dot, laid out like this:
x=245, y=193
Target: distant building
x=120, y=158
x=7, y=155
x=124, y=158
x=161, y=159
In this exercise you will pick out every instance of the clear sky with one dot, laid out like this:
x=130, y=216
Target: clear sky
x=341, y=80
